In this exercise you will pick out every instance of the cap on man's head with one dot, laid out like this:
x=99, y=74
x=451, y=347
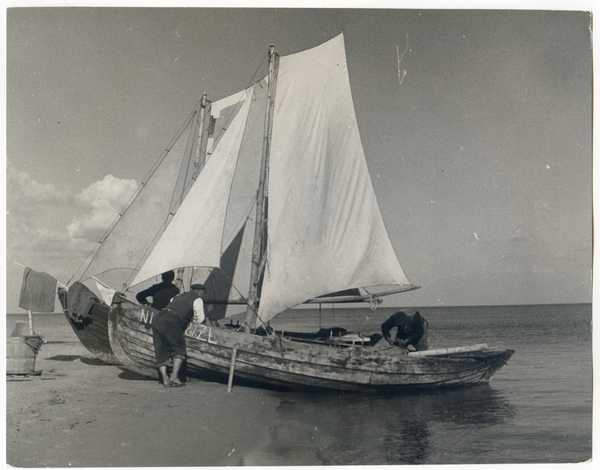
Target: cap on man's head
x=168, y=276
x=197, y=287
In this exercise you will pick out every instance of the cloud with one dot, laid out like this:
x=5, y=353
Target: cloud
x=52, y=228
x=48, y=243
x=100, y=203
x=25, y=193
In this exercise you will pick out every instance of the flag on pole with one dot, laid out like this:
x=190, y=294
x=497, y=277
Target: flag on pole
x=38, y=291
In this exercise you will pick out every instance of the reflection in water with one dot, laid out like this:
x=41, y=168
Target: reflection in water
x=358, y=429
x=407, y=442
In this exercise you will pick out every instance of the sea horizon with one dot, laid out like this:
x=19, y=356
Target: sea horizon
x=366, y=306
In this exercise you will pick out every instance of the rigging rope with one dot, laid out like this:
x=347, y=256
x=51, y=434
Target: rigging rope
x=89, y=259
x=132, y=199
x=246, y=301
x=193, y=179
x=374, y=301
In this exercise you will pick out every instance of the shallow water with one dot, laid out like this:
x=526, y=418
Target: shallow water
x=538, y=408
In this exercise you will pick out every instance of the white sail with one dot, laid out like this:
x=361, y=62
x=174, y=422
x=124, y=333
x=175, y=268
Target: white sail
x=325, y=230
x=195, y=235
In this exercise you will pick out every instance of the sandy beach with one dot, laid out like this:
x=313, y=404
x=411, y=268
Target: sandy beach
x=81, y=412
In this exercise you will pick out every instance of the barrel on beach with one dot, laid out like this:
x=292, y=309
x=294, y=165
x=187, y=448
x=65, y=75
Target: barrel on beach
x=20, y=358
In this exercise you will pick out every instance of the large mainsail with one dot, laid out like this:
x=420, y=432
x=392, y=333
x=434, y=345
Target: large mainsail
x=325, y=230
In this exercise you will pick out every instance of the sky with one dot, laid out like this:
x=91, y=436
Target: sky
x=476, y=125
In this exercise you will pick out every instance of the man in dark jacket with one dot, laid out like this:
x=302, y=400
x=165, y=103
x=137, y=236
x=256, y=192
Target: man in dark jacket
x=168, y=328
x=411, y=330
x=161, y=293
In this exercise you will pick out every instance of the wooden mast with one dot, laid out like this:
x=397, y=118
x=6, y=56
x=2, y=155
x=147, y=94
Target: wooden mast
x=259, y=247
x=200, y=156
x=196, y=132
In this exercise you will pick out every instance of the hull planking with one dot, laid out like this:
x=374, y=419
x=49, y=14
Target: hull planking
x=93, y=333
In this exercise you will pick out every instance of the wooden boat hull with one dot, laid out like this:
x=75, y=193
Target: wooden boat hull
x=93, y=331
x=275, y=361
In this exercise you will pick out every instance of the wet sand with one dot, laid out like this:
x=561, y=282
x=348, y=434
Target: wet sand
x=81, y=412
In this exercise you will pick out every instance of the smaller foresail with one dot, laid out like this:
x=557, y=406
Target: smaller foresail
x=195, y=235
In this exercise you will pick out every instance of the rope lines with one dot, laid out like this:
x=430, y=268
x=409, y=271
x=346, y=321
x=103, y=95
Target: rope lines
x=175, y=200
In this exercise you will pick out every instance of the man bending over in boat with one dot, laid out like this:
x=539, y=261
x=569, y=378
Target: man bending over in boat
x=168, y=327
x=161, y=293
x=411, y=330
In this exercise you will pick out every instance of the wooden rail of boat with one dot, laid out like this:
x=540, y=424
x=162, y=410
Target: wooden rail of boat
x=448, y=351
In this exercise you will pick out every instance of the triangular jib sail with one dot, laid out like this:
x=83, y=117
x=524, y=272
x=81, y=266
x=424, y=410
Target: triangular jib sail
x=194, y=237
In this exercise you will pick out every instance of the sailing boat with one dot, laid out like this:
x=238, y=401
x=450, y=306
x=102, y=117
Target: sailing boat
x=284, y=201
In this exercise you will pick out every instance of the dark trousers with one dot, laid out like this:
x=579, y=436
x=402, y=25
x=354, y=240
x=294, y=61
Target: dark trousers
x=168, y=336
